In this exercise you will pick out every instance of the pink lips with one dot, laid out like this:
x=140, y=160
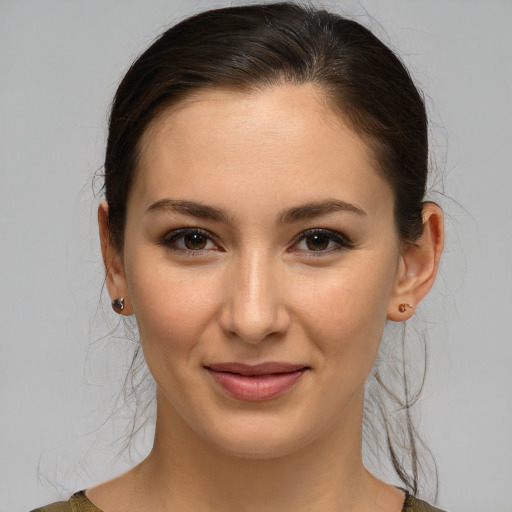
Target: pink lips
x=256, y=383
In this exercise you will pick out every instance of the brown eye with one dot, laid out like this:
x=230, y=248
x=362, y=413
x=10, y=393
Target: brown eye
x=191, y=241
x=317, y=242
x=195, y=241
x=320, y=242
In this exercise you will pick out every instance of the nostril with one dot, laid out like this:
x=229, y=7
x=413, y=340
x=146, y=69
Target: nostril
x=255, y=332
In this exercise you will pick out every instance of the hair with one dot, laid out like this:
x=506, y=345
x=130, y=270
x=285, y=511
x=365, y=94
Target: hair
x=256, y=47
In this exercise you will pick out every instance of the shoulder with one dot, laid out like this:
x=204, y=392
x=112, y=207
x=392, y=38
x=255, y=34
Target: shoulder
x=61, y=506
x=413, y=504
x=77, y=503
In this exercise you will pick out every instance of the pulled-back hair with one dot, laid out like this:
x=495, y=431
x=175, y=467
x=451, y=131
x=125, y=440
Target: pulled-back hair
x=255, y=47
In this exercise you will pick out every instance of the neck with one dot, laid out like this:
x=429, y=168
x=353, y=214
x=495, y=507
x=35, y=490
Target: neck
x=184, y=472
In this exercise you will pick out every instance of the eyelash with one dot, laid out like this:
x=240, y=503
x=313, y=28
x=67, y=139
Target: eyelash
x=342, y=241
x=171, y=238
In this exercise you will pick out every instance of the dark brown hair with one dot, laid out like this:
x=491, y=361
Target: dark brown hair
x=258, y=46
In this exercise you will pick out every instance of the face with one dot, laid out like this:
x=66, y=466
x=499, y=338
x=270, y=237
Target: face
x=261, y=258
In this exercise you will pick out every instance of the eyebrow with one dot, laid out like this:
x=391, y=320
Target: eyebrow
x=305, y=211
x=191, y=208
x=316, y=209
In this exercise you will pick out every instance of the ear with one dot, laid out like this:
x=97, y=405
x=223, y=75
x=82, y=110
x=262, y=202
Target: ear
x=418, y=265
x=113, y=260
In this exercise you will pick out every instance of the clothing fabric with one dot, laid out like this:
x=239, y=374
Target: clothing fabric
x=80, y=503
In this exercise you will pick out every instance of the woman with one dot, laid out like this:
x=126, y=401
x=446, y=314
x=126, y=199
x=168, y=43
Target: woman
x=264, y=219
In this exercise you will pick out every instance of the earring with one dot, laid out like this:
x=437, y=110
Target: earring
x=118, y=305
x=403, y=307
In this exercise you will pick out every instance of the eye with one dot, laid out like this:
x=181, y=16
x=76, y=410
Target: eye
x=190, y=240
x=321, y=241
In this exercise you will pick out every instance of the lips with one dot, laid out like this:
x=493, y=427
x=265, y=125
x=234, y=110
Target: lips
x=256, y=383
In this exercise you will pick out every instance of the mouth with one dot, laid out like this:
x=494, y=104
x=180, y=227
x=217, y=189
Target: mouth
x=256, y=383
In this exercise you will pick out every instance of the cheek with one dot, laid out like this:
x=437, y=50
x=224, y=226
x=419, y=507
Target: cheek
x=173, y=307
x=344, y=315
x=346, y=310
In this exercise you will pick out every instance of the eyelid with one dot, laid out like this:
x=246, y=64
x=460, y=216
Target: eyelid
x=342, y=240
x=178, y=233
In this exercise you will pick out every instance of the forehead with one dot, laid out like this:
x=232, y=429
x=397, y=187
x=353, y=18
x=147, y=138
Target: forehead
x=283, y=143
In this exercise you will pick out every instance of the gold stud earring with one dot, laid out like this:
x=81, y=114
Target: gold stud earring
x=118, y=305
x=403, y=307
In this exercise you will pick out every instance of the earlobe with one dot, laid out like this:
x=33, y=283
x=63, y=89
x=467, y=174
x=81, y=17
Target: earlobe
x=418, y=266
x=114, y=271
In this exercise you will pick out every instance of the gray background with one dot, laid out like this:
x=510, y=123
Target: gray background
x=59, y=64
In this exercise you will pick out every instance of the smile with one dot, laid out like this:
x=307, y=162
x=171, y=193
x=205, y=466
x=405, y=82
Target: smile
x=256, y=383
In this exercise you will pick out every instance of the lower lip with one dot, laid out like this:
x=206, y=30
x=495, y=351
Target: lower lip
x=256, y=388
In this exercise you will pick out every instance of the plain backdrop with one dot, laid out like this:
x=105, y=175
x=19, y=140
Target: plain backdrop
x=60, y=62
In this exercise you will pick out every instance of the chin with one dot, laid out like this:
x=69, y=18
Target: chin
x=260, y=439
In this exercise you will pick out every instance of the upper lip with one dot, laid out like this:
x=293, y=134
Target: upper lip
x=257, y=369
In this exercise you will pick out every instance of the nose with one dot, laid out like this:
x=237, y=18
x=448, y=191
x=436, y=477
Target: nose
x=253, y=306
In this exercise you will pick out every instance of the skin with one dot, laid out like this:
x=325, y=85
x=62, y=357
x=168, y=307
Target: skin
x=259, y=287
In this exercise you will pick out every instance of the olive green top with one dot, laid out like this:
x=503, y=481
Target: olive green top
x=80, y=503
